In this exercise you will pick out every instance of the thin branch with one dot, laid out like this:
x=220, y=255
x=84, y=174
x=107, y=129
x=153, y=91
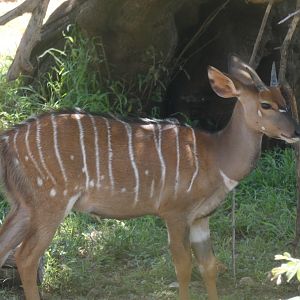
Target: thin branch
x=202, y=29
x=260, y=33
x=289, y=16
x=26, y=7
x=285, y=47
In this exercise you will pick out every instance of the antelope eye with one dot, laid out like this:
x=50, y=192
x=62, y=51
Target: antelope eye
x=265, y=105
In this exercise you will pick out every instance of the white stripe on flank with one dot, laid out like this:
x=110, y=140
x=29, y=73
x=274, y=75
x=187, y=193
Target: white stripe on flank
x=177, y=160
x=30, y=153
x=132, y=160
x=81, y=136
x=58, y=157
x=98, y=184
x=157, y=142
x=152, y=188
x=71, y=203
x=195, y=159
x=110, y=155
x=39, y=146
x=15, y=143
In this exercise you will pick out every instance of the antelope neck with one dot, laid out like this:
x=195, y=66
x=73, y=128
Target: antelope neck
x=238, y=146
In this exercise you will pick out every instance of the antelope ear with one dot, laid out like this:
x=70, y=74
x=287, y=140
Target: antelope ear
x=222, y=85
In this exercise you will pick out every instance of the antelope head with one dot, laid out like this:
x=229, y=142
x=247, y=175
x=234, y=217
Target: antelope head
x=265, y=109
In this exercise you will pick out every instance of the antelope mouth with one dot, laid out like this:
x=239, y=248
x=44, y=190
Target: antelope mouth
x=288, y=139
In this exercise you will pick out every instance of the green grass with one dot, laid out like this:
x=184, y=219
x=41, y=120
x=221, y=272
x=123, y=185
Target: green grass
x=109, y=259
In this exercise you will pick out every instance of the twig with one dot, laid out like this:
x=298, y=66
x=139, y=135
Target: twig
x=289, y=16
x=233, y=236
x=202, y=28
x=282, y=79
x=260, y=33
x=285, y=46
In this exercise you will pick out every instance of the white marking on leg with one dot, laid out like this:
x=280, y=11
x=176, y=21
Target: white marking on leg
x=110, y=155
x=39, y=181
x=39, y=147
x=71, y=203
x=132, y=160
x=195, y=159
x=229, y=183
x=52, y=192
x=157, y=141
x=83, y=153
x=199, y=233
x=97, y=156
x=30, y=153
x=177, y=160
x=56, y=149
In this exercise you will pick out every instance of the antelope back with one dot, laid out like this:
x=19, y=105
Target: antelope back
x=104, y=165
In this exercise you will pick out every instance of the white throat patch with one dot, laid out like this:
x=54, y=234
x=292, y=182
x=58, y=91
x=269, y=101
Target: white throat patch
x=229, y=183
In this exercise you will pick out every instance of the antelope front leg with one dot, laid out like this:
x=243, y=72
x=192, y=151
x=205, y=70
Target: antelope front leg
x=181, y=253
x=201, y=245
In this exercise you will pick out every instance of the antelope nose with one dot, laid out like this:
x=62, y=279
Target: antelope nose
x=297, y=131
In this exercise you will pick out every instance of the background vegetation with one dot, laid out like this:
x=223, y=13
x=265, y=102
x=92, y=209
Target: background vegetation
x=109, y=259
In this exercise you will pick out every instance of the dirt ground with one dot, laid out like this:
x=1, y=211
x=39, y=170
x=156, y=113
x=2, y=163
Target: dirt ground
x=11, y=33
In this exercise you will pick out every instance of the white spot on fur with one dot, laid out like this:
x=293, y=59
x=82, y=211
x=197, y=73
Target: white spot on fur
x=83, y=170
x=26, y=158
x=39, y=181
x=229, y=183
x=102, y=177
x=259, y=113
x=65, y=192
x=198, y=234
x=17, y=162
x=146, y=172
x=53, y=192
x=72, y=157
x=123, y=190
x=263, y=128
x=282, y=110
x=92, y=183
